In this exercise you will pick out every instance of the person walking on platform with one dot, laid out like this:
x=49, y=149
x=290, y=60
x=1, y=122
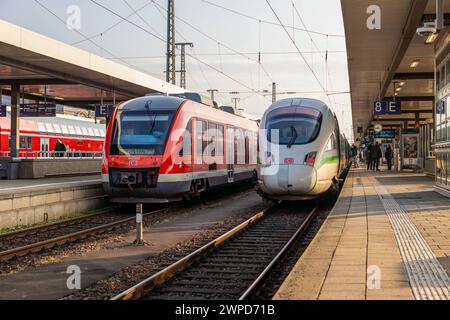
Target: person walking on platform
x=376, y=154
x=355, y=156
x=389, y=155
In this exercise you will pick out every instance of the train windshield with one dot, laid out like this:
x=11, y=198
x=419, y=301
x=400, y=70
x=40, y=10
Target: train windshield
x=293, y=125
x=141, y=132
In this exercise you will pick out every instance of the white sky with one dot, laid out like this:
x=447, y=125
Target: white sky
x=241, y=34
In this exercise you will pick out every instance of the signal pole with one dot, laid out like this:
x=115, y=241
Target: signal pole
x=182, y=70
x=212, y=91
x=170, y=63
x=274, y=92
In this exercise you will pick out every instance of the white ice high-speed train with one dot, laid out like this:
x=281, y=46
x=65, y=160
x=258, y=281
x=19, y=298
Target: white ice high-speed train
x=302, y=151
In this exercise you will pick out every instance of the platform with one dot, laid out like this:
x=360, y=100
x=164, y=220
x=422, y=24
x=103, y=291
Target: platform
x=388, y=237
x=27, y=202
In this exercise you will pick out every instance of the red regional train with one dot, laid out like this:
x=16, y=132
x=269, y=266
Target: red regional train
x=38, y=137
x=162, y=149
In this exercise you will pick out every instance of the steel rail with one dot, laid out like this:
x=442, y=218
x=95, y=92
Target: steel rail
x=264, y=274
x=50, y=243
x=141, y=289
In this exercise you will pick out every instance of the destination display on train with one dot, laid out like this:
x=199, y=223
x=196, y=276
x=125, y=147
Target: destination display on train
x=38, y=110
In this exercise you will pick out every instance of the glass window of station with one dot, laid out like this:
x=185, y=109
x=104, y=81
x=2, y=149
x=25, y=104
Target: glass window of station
x=442, y=121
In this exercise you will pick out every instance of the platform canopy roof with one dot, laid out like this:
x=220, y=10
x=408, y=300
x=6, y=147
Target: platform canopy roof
x=379, y=58
x=70, y=76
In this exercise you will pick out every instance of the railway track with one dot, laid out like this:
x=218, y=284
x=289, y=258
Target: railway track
x=235, y=265
x=32, y=240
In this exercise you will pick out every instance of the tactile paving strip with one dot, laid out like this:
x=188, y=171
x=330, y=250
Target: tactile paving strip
x=429, y=281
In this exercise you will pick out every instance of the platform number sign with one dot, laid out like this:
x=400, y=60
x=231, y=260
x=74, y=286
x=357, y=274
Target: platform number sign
x=387, y=107
x=104, y=111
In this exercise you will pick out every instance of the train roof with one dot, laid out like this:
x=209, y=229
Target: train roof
x=301, y=102
x=61, y=124
x=158, y=102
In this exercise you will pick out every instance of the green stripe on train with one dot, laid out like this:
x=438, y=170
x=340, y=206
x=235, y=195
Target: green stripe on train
x=330, y=160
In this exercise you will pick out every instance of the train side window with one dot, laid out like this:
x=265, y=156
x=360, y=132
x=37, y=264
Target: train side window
x=247, y=148
x=331, y=145
x=25, y=142
x=200, y=128
x=220, y=141
x=239, y=147
x=212, y=141
x=186, y=149
x=205, y=137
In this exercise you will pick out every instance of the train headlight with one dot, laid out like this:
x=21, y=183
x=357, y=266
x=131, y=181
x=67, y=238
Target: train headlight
x=310, y=159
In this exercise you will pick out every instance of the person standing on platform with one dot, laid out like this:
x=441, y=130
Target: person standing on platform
x=376, y=153
x=389, y=155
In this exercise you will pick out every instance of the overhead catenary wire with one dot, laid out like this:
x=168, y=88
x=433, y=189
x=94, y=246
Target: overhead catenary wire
x=115, y=24
x=268, y=22
x=142, y=19
x=226, y=75
x=150, y=33
x=127, y=20
x=211, y=54
x=86, y=38
x=324, y=57
x=216, y=40
x=298, y=49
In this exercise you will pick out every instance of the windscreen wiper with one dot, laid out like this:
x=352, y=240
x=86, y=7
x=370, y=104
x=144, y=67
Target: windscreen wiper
x=149, y=111
x=294, y=137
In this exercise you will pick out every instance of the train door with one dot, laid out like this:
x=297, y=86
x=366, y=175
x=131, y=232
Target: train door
x=230, y=154
x=45, y=147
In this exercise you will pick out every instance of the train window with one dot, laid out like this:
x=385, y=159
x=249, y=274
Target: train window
x=141, y=132
x=239, y=147
x=186, y=149
x=91, y=132
x=85, y=131
x=331, y=145
x=220, y=141
x=200, y=128
x=212, y=139
x=26, y=142
x=204, y=138
x=247, y=148
x=293, y=125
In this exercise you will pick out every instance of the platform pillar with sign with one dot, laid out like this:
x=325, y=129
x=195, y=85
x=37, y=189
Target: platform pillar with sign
x=15, y=121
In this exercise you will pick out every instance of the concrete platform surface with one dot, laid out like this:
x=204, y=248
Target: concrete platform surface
x=388, y=237
x=29, y=185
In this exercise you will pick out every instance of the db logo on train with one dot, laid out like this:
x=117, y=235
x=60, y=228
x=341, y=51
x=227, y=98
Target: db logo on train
x=132, y=162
